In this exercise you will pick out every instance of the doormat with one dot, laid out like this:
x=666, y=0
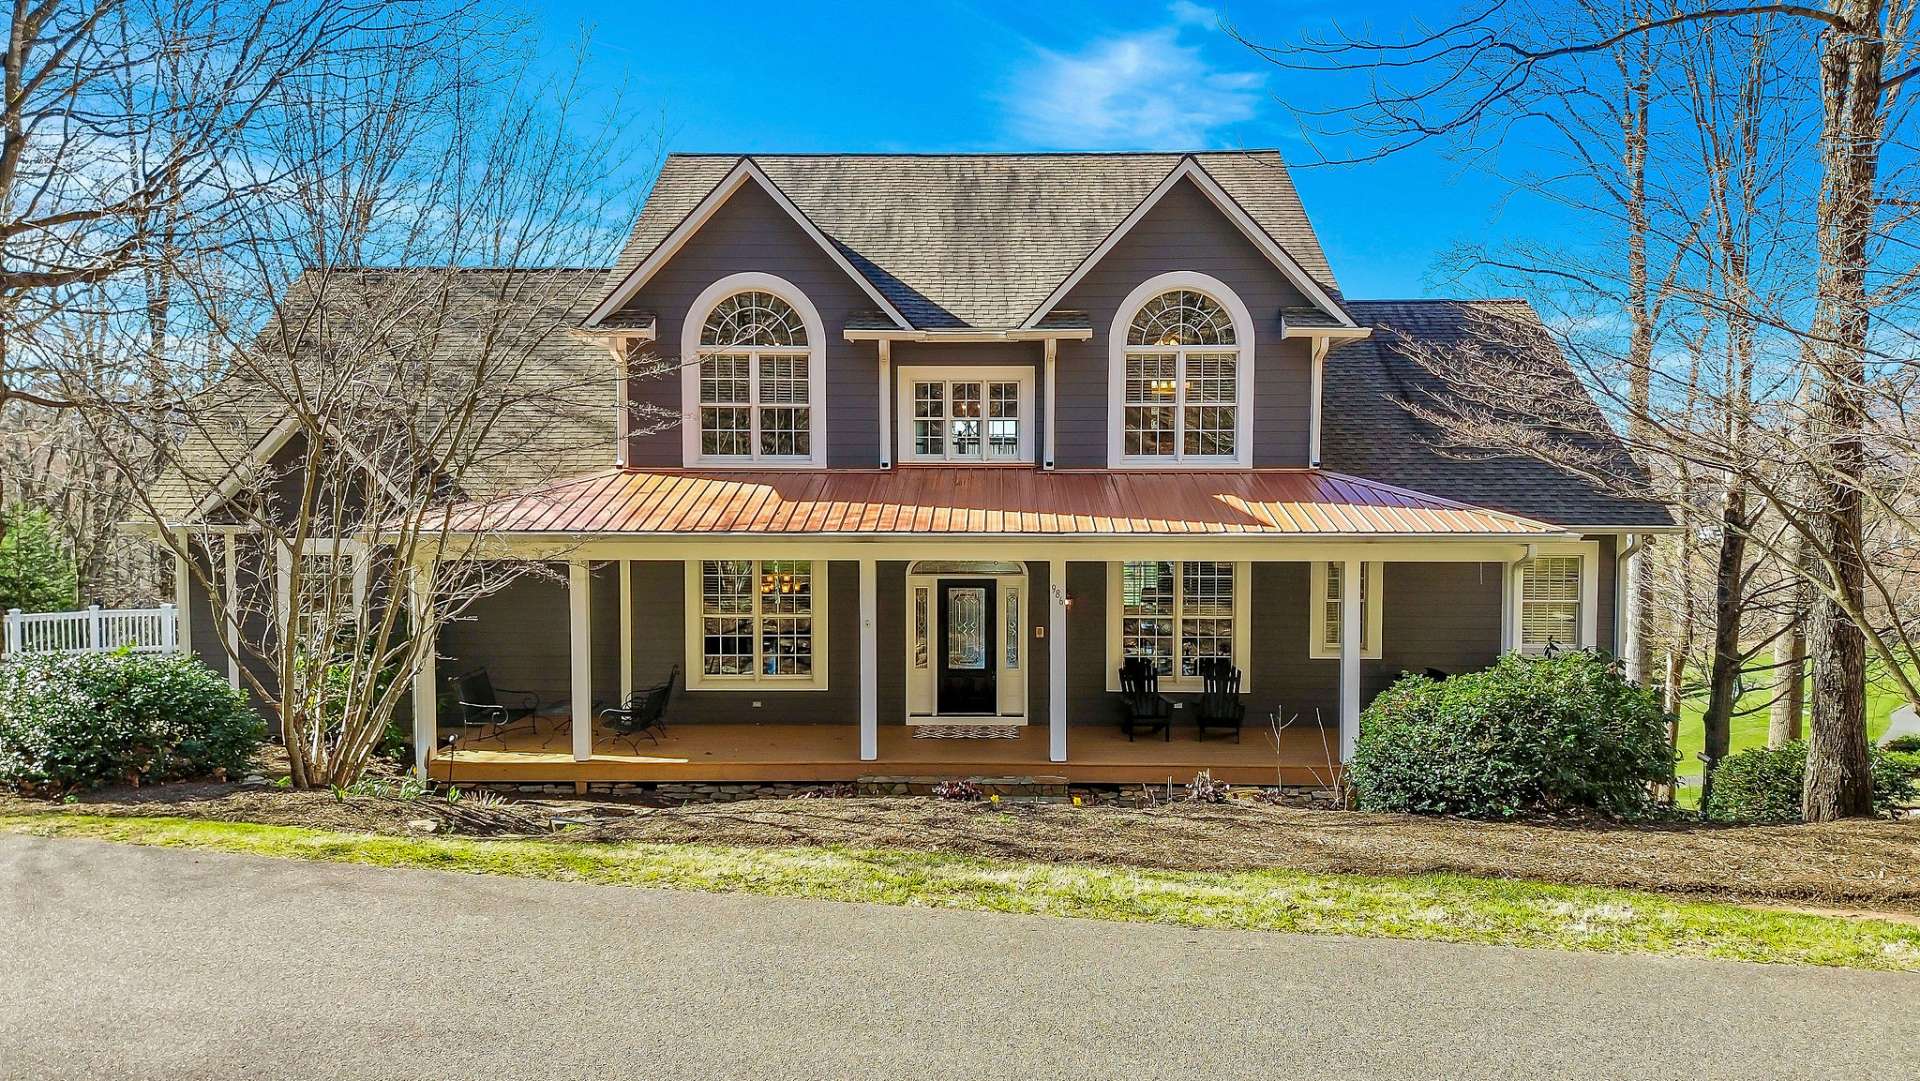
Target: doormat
x=966, y=731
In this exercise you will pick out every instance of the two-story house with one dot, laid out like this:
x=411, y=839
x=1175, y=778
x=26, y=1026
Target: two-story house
x=960, y=434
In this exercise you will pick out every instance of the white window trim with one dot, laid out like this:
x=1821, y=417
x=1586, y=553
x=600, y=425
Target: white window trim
x=1317, y=622
x=1589, y=555
x=1242, y=628
x=690, y=328
x=695, y=630
x=950, y=374
x=1117, y=375
x=352, y=550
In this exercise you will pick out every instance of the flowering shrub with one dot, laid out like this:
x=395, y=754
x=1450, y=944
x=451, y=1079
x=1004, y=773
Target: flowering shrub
x=84, y=720
x=959, y=789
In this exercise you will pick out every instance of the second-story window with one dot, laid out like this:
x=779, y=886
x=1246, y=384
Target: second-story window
x=1182, y=383
x=754, y=361
x=753, y=382
x=952, y=414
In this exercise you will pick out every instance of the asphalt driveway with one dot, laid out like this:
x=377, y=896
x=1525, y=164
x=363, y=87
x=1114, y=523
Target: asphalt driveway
x=121, y=962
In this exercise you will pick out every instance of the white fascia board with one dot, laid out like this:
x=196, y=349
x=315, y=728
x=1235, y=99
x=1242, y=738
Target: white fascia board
x=746, y=171
x=607, y=336
x=1337, y=334
x=971, y=334
x=1190, y=169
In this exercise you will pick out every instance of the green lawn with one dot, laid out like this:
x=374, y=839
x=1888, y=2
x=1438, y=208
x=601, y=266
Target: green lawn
x=1749, y=727
x=1453, y=908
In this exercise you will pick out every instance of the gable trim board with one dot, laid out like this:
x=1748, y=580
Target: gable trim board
x=745, y=171
x=1191, y=169
x=263, y=451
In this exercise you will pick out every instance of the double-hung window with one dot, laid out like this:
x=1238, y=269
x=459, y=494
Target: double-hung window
x=1550, y=603
x=756, y=382
x=1177, y=614
x=1182, y=381
x=322, y=589
x=757, y=622
x=1329, y=584
x=966, y=414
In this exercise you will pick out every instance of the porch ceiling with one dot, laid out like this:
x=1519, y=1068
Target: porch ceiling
x=918, y=501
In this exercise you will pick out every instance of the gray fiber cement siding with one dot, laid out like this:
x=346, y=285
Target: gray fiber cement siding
x=1185, y=231
x=750, y=233
x=1443, y=616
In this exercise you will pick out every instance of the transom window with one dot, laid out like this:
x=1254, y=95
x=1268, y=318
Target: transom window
x=1550, y=602
x=1327, y=613
x=755, y=377
x=966, y=415
x=1181, y=379
x=756, y=621
x=1176, y=614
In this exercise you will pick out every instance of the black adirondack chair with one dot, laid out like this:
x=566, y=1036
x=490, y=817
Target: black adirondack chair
x=1220, y=706
x=643, y=713
x=481, y=705
x=1142, y=707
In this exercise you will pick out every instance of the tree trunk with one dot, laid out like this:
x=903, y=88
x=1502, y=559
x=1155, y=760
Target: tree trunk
x=1640, y=607
x=1839, y=783
x=1723, y=679
x=1790, y=661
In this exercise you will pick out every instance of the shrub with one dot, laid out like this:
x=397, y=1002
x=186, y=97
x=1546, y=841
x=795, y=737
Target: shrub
x=36, y=570
x=1552, y=734
x=1763, y=784
x=957, y=788
x=1903, y=744
x=83, y=720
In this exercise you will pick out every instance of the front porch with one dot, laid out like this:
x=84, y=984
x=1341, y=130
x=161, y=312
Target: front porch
x=1303, y=755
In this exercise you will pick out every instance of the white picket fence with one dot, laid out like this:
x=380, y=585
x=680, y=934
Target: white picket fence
x=94, y=630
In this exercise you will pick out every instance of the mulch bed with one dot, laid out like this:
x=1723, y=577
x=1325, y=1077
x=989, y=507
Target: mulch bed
x=1858, y=864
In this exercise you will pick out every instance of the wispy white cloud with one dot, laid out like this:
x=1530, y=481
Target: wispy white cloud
x=1188, y=13
x=1145, y=90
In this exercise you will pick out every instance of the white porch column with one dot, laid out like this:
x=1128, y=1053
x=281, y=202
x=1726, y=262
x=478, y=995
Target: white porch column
x=426, y=678
x=579, y=636
x=887, y=433
x=1057, y=660
x=232, y=605
x=182, y=589
x=1052, y=362
x=869, y=660
x=1350, y=657
x=626, y=629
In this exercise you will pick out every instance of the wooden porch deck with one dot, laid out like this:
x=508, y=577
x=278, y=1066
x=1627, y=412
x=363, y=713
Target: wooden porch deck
x=1096, y=754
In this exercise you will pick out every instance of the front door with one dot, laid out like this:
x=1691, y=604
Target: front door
x=966, y=647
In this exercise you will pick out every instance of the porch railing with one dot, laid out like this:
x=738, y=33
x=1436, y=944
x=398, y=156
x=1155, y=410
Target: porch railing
x=94, y=630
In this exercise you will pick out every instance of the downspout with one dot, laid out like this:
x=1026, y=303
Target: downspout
x=1509, y=604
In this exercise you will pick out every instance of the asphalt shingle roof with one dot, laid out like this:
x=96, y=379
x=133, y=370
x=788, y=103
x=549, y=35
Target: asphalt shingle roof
x=970, y=239
x=1370, y=431
x=555, y=419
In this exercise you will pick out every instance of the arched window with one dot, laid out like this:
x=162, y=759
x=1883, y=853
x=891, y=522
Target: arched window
x=1182, y=365
x=756, y=381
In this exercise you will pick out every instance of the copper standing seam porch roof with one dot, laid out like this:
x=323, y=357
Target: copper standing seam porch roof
x=939, y=500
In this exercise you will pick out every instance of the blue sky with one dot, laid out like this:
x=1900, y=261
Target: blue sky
x=935, y=76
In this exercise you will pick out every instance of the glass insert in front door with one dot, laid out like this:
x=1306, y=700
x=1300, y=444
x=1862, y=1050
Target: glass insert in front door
x=966, y=628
